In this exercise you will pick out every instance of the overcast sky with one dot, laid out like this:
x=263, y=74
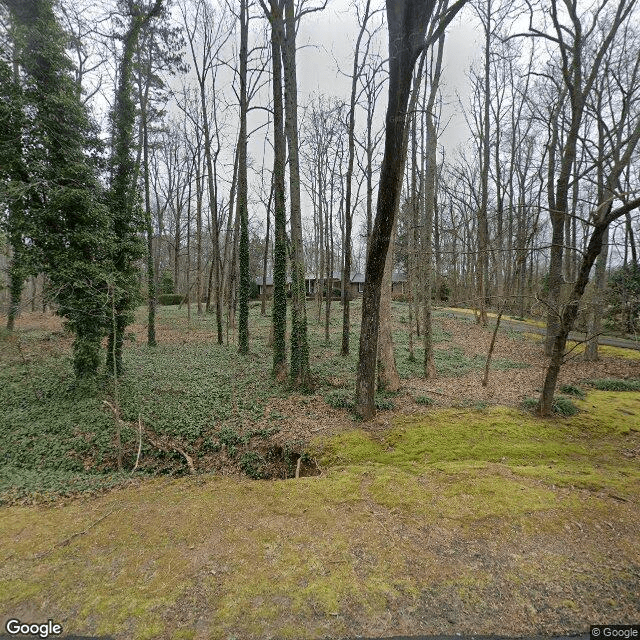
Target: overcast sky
x=330, y=37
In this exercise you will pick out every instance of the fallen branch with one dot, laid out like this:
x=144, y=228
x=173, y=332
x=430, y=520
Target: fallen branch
x=298, y=467
x=135, y=466
x=167, y=446
x=164, y=444
x=66, y=541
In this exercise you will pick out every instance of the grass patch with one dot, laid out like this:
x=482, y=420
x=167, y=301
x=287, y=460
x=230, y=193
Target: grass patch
x=603, y=349
x=579, y=450
x=424, y=400
x=266, y=559
x=572, y=390
x=614, y=384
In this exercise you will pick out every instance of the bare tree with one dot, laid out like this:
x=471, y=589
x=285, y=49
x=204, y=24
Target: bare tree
x=408, y=21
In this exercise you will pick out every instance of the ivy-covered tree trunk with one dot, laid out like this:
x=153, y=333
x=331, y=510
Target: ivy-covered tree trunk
x=280, y=216
x=125, y=211
x=300, y=370
x=148, y=222
x=69, y=224
x=243, y=293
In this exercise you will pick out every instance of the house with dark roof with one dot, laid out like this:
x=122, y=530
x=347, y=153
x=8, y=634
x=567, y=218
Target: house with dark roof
x=356, y=283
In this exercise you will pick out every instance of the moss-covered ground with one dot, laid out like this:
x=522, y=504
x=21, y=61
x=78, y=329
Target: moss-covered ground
x=457, y=521
x=477, y=519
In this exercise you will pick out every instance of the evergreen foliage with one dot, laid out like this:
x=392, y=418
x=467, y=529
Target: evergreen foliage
x=12, y=180
x=623, y=294
x=63, y=213
x=166, y=283
x=126, y=214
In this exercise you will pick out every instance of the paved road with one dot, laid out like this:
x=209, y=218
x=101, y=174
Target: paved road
x=529, y=328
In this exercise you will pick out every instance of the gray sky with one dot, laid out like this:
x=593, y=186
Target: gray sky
x=328, y=38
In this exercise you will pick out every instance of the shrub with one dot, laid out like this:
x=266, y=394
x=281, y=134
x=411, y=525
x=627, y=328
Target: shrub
x=166, y=283
x=252, y=464
x=623, y=296
x=444, y=292
x=167, y=299
x=384, y=404
x=561, y=405
x=572, y=390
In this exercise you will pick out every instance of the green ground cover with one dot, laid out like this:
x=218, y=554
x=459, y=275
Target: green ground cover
x=323, y=555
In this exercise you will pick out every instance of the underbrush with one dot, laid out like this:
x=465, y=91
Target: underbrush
x=614, y=384
x=188, y=404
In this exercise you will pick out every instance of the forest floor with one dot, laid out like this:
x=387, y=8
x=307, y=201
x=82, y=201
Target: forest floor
x=454, y=511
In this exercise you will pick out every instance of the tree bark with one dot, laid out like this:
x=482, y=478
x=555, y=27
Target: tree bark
x=243, y=214
x=388, y=378
x=407, y=22
x=300, y=370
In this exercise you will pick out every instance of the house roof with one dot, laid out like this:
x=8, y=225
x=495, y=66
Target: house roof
x=356, y=278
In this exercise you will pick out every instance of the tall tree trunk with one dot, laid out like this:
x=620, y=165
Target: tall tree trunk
x=429, y=202
x=213, y=210
x=429, y=205
x=407, y=22
x=388, y=377
x=594, y=321
x=300, y=370
x=265, y=255
x=279, y=214
x=482, y=272
x=151, y=279
x=199, y=228
x=243, y=297
x=348, y=213
x=121, y=192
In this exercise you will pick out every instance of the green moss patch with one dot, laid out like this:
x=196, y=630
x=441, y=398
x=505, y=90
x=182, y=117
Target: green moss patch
x=439, y=511
x=581, y=451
